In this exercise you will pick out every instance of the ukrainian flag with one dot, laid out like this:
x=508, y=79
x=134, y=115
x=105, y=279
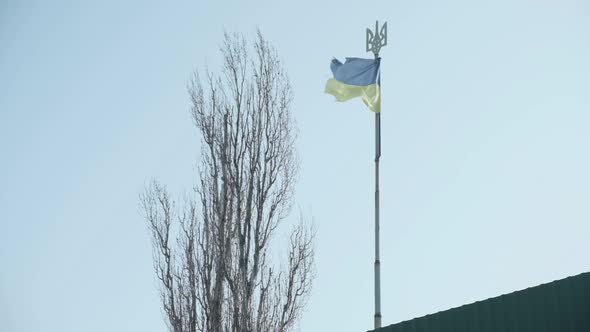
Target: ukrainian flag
x=356, y=78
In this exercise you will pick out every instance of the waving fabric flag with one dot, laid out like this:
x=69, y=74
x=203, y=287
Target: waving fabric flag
x=356, y=78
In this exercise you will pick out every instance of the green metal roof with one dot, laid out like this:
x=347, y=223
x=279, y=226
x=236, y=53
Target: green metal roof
x=558, y=306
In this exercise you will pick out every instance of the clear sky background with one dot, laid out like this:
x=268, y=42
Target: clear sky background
x=485, y=166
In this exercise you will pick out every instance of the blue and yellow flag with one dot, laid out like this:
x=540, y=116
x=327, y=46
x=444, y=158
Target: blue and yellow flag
x=356, y=78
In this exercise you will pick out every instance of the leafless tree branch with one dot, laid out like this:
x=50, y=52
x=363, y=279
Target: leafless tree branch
x=217, y=275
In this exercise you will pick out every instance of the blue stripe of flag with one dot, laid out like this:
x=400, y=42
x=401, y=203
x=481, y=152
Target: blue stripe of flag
x=356, y=71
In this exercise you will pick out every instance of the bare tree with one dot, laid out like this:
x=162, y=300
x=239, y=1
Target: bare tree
x=212, y=256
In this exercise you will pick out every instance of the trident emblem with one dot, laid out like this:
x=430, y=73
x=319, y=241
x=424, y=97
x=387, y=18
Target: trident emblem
x=377, y=39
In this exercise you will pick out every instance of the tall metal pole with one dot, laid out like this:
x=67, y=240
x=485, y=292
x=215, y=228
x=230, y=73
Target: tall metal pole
x=377, y=317
x=376, y=40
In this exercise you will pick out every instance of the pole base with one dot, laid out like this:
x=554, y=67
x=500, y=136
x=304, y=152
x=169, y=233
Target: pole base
x=377, y=319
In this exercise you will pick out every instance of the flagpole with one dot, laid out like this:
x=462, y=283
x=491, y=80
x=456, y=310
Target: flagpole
x=377, y=261
x=374, y=42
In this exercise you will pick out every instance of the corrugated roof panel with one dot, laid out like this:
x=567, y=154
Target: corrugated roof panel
x=558, y=306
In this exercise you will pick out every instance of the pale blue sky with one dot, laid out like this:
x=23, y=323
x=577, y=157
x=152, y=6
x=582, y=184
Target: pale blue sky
x=485, y=167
